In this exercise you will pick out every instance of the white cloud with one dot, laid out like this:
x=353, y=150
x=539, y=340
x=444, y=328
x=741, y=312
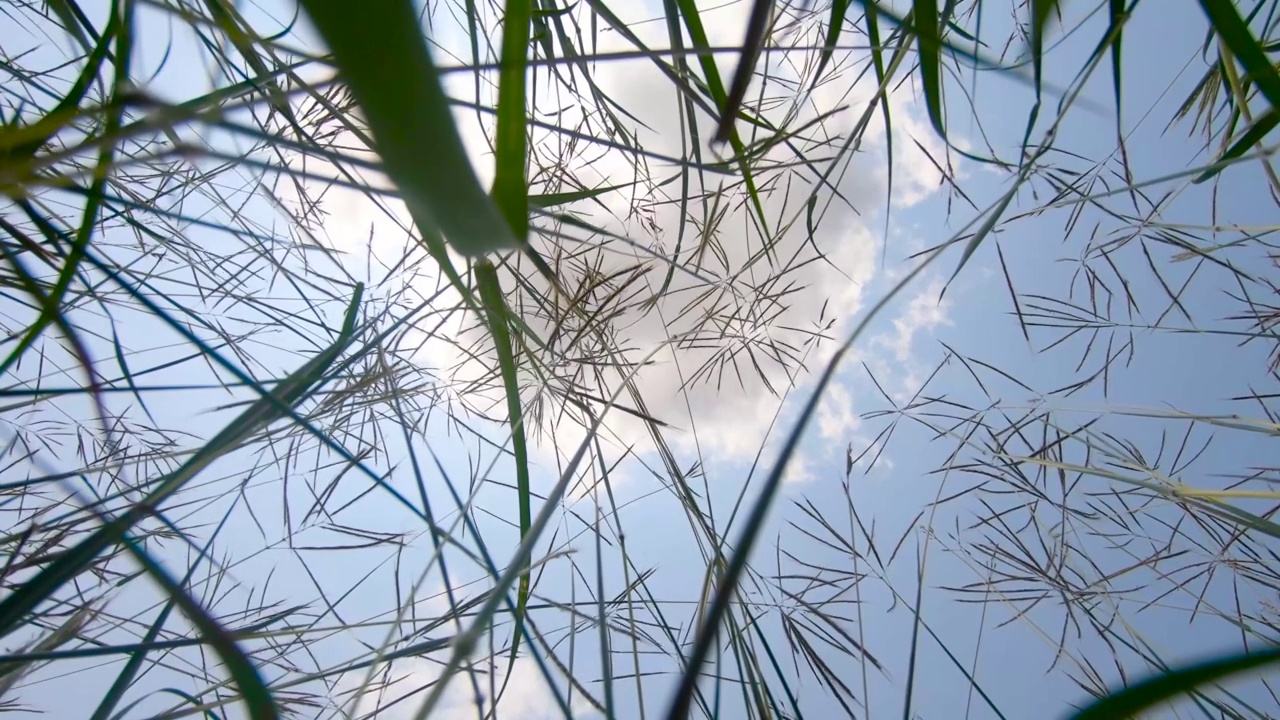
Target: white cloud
x=837, y=419
x=729, y=375
x=926, y=311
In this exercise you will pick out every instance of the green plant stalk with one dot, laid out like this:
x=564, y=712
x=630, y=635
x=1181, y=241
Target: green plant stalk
x=495, y=308
x=511, y=193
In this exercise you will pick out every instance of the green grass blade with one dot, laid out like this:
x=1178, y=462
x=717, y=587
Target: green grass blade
x=227, y=19
x=510, y=189
x=253, y=691
x=549, y=200
x=835, y=25
x=20, y=143
x=398, y=88
x=1250, y=139
x=119, y=28
x=698, y=39
x=1235, y=33
x=877, y=62
x=914, y=649
x=495, y=308
x=125, y=678
x=73, y=21
x=924, y=20
x=1118, y=16
x=186, y=697
x=752, y=44
x=1168, y=685
x=1041, y=11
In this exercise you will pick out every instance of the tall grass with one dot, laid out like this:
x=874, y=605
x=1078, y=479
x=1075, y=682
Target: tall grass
x=262, y=460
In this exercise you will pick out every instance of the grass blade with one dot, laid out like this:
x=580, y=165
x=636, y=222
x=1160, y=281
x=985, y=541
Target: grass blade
x=1235, y=33
x=835, y=25
x=752, y=44
x=1169, y=685
x=129, y=673
x=1247, y=141
x=510, y=189
x=495, y=308
x=398, y=88
x=924, y=20
x=253, y=691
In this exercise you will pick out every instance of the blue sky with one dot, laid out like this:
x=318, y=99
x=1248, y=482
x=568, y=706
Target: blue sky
x=1195, y=372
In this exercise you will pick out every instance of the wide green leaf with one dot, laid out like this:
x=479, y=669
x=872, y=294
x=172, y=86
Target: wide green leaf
x=398, y=89
x=1167, y=686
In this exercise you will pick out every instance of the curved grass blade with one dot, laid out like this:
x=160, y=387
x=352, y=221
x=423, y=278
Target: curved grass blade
x=550, y=200
x=125, y=678
x=73, y=21
x=490, y=290
x=1234, y=31
x=752, y=44
x=835, y=25
x=698, y=39
x=119, y=28
x=1250, y=139
x=1041, y=10
x=870, y=14
x=208, y=713
x=1115, y=36
x=1169, y=685
x=20, y=143
x=511, y=192
x=398, y=88
x=253, y=691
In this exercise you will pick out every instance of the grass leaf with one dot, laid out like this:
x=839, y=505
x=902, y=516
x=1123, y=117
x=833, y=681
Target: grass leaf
x=490, y=290
x=835, y=25
x=1167, y=686
x=398, y=88
x=253, y=691
x=510, y=189
x=924, y=20
x=756, y=36
x=1234, y=31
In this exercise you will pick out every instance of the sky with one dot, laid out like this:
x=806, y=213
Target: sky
x=731, y=432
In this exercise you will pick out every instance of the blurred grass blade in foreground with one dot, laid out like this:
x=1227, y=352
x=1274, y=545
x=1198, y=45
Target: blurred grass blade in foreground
x=380, y=52
x=1167, y=686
